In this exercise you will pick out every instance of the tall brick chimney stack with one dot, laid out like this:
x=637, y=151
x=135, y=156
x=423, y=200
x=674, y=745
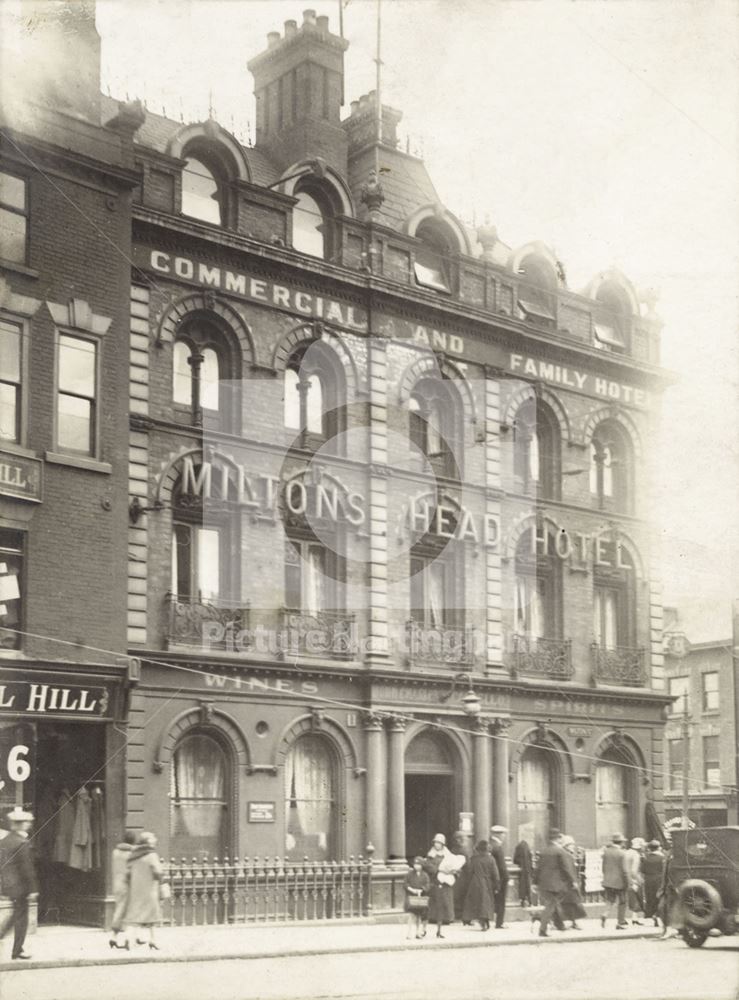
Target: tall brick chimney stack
x=61, y=56
x=298, y=87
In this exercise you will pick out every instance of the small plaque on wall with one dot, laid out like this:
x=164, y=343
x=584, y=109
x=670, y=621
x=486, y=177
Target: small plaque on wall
x=260, y=812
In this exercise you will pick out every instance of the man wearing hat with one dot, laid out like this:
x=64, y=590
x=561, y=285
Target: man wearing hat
x=497, y=840
x=615, y=880
x=653, y=867
x=17, y=876
x=555, y=876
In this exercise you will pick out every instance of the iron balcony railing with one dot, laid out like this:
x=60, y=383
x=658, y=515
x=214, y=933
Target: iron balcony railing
x=542, y=657
x=444, y=644
x=253, y=891
x=199, y=622
x=622, y=665
x=323, y=633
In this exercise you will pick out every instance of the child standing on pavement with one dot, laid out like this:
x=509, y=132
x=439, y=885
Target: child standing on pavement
x=417, y=885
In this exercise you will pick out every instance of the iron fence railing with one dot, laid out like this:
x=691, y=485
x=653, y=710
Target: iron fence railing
x=253, y=891
x=620, y=665
x=542, y=657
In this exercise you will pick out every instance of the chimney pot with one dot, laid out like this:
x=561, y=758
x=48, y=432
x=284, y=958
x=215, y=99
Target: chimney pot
x=322, y=23
x=273, y=38
x=309, y=17
x=290, y=28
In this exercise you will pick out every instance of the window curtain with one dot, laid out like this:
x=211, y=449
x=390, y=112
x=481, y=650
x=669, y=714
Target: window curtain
x=314, y=570
x=208, y=569
x=198, y=798
x=436, y=595
x=310, y=802
x=607, y=471
x=182, y=380
x=605, y=609
x=209, y=380
x=593, y=470
x=314, y=405
x=611, y=812
x=292, y=399
x=534, y=458
x=535, y=804
x=530, y=606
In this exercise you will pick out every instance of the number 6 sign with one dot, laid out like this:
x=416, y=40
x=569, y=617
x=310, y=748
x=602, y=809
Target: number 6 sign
x=18, y=767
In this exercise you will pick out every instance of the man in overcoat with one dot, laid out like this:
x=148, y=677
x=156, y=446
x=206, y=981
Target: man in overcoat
x=497, y=841
x=555, y=875
x=615, y=880
x=17, y=876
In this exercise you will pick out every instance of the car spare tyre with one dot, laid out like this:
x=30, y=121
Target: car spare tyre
x=701, y=904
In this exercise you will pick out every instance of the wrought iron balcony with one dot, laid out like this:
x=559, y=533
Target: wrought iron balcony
x=622, y=665
x=213, y=624
x=444, y=644
x=542, y=657
x=325, y=633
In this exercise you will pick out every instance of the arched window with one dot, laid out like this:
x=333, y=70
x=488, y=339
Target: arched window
x=309, y=226
x=612, y=467
x=432, y=255
x=537, y=792
x=614, y=598
x=314, y=394
x=436, y=589
x=537, y=450
x=537, y=290
x=311, y=806
x=203, y=364
x=615, y=794
x=435, y=421
x=538, y=589
x=203, y=195
x=612, y=318
x=199, y=797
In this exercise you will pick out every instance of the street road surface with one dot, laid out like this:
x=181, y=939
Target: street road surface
x=611, y=970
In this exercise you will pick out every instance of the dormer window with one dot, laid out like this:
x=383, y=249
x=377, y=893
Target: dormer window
x=537, y=292
x=202, y=194
x=309, y=226
x=431, y=266
x=611, y=324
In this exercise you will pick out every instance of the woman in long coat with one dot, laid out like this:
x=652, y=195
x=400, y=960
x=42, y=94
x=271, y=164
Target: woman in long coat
x=144, y=881
x=571, y=905
x=482, y=883
x=441, y=867
x=119, y=869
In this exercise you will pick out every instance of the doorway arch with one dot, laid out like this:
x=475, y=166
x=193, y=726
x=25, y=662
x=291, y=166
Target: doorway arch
x=433, y=790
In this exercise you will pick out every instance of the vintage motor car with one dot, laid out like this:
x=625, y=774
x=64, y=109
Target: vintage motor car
x=705, y=872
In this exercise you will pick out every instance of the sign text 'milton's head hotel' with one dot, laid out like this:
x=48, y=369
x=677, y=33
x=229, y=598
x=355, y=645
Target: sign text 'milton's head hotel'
x=275, y=295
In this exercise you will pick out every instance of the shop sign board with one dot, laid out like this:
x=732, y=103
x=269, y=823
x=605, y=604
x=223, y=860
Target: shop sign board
x=20, y=477
x=56, y=698
x=260, y=812
x=593, y=870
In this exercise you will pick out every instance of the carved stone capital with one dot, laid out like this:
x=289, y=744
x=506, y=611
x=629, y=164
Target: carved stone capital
x=397, y=723
x=373, y=723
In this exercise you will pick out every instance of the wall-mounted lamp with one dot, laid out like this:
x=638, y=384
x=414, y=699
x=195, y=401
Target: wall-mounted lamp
x=471, y=704
x=136, y=509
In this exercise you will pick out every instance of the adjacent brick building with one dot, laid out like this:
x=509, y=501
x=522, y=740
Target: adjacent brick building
x=388, y=563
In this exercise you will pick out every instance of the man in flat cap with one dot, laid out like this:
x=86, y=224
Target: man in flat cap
x=17, y=876
x=497, y=840
x=615, y=880
x=555, y=875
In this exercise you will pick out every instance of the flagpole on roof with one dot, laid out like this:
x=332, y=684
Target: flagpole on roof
x=378, y=84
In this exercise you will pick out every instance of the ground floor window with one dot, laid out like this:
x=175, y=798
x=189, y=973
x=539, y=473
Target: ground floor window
x=614, y=777
x=536, y=797
x=199, y=798
x=310, y=800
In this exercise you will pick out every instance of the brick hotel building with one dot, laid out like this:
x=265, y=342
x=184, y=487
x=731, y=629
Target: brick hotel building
x=313, y=461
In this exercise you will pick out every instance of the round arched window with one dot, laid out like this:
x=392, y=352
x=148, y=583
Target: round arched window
x=614, y=783
x=201, y=195
x=199, y=798
x=309, y=226
x=536, y=796
x=310, y=800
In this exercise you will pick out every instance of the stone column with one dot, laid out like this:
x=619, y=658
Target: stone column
x=483, y=778
x=501, y=811
x=396, y=791
x=376, y=787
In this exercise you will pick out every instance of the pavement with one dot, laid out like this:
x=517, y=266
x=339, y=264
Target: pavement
x=63, y=947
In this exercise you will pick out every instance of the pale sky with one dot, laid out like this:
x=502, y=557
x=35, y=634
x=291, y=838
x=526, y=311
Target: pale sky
x=606, y=128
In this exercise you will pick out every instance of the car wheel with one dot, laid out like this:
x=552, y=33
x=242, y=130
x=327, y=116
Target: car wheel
x=692, y=937
x=701, y=904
